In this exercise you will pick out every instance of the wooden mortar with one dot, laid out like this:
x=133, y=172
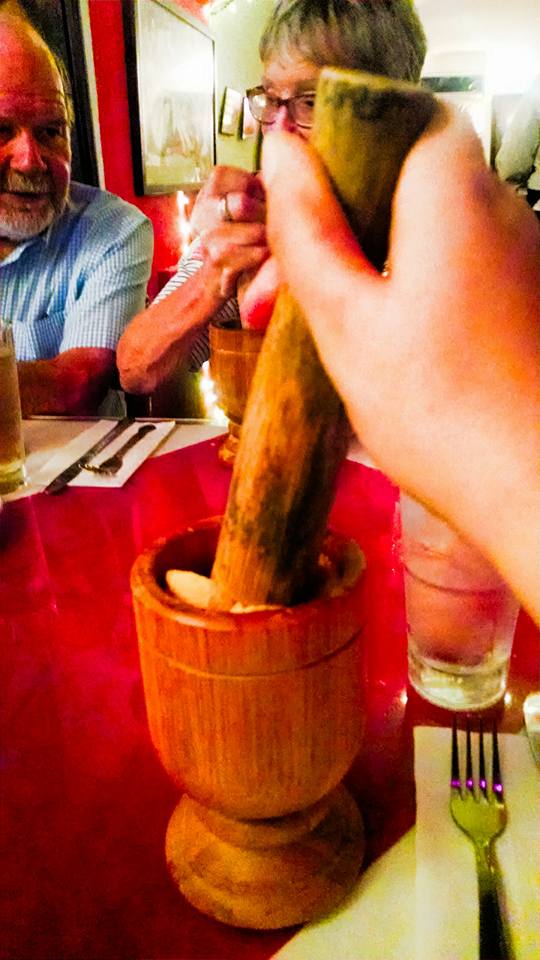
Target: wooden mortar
x=295, y=433
x=257, y=716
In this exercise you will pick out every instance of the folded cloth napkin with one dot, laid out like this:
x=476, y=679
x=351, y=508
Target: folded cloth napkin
x=446, y=889
x=390, y=916
x=83, y=441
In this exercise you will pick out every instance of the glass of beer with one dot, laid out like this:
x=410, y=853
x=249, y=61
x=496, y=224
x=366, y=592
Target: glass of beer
x=11, y=441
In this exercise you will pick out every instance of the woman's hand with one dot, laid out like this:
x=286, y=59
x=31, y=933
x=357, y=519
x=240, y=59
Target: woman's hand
x=438, y=363
x=257, y=294
x=228, y=251
x=229, y=217
x=228, y=192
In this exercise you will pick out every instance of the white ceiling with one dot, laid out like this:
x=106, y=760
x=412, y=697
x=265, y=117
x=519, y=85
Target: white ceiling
x=503, y=36
x=498, y=38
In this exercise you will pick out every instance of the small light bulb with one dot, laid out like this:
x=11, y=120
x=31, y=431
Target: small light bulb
x=210, y=400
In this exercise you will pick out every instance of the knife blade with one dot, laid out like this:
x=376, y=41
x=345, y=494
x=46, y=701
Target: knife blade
x=63, y=478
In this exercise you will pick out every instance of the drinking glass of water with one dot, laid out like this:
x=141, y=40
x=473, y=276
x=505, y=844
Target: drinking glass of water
x=461, y=615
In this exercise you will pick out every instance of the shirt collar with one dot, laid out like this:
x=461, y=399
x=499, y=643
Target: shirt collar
x=20, y=249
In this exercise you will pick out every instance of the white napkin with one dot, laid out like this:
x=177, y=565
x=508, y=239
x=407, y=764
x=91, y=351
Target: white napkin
x=390, y=917
x=78, y=446
x=446, y=890
x=375, y=922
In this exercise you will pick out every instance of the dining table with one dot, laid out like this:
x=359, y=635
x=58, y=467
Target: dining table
x=85, y=800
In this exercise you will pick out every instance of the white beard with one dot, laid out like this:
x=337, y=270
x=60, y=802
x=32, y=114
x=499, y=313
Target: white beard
x=18, y=225
x=23, y=226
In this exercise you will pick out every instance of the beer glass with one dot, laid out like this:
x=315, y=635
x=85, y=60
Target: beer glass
x=11, y=441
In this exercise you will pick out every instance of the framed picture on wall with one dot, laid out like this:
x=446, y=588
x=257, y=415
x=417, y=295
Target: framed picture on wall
x=249, y=123
x=231, y=109
x=170, y=74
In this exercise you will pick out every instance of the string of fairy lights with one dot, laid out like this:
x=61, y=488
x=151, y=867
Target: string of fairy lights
x=221, y=5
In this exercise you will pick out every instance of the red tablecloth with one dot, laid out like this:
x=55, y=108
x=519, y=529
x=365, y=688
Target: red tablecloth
x=85, y=801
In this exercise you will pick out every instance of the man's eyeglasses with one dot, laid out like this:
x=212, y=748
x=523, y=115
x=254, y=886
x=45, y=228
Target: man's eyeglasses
x=265, y=107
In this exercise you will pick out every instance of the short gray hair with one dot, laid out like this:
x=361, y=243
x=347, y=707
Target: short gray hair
x=379, y=36
x=66, y=85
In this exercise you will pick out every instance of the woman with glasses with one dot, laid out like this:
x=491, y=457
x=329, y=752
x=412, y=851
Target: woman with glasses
x=301, y=36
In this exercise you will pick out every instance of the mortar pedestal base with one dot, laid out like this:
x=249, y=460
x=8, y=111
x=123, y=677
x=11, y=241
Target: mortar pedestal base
x=266, y=874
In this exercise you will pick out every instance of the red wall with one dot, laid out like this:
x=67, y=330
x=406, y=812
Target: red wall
x=108, y=49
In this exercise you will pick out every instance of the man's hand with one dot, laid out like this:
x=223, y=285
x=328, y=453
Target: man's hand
x=74, y=382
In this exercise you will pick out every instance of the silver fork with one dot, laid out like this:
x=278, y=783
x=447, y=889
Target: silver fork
x=112, y=465
x=480, y=812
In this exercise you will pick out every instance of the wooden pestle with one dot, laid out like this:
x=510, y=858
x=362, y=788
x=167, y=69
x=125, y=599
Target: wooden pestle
x=295, y=432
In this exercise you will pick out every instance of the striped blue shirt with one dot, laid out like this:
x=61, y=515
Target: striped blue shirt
x=80, y=282
x=227, y=314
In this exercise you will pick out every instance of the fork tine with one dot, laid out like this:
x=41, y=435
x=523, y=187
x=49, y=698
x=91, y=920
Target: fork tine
x=455, y=781
x=496, y=768
x=469, y=782
x=482, y=783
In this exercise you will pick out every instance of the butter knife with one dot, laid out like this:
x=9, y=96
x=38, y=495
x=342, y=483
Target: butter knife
x=63, y=478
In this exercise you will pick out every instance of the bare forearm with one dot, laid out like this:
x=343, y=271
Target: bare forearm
x=74, y=382
x=159, y=338
x=438, y=363
x=497, y=502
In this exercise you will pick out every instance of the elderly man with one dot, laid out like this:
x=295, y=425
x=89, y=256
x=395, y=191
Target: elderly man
x=74, y=260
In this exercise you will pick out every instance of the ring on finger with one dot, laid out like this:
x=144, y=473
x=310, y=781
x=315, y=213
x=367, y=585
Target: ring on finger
x=225, y=213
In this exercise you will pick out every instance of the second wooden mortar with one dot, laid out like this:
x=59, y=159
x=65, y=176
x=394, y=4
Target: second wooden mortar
x=233, y=357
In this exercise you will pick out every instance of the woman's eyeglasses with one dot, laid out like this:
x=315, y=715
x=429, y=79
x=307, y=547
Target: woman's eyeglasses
x=265, y=107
